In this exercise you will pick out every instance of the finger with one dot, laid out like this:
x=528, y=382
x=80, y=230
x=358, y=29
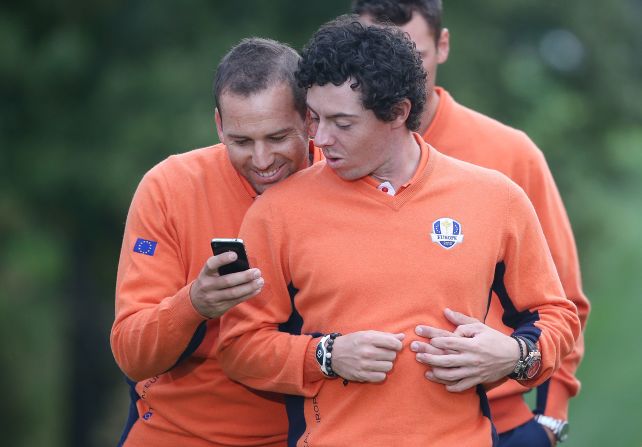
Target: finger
x=238, y=292
x=455, y=344
x=234, y=279
x=374, y=377
x=431, y=376
x=457, y=318
x=453, y=374
x=418, y=346
x=463, y=385
x=386, y=341
x=470, y=330
x=381, y=354
x=215, y=262
x=378, y=366
x=444, y=361
x=430, y=332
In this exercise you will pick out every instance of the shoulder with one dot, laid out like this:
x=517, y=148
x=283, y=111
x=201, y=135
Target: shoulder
x=472, y=175
x=503, y=139
x=179, y=170
x=192, y=163
x=297, y=190
x=298, y=184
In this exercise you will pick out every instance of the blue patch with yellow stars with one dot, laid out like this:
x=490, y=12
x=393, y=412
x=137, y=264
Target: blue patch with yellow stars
x=145, y=246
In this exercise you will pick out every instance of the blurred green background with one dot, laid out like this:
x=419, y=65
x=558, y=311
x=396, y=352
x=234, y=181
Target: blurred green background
x=93, y=94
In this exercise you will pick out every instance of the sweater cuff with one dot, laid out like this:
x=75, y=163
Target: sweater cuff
x=183, y=311
x=311, y=370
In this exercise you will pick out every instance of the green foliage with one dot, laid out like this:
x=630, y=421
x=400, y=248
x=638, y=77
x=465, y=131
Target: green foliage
x=94, y=94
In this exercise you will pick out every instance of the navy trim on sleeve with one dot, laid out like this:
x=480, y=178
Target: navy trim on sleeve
x=133, y=415
x=194, y=343
x=294, y=405
x=522, y=322
x=485, y=409
x=542, y=397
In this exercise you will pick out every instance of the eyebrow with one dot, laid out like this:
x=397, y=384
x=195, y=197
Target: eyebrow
x=336, y=115
x=278, y=132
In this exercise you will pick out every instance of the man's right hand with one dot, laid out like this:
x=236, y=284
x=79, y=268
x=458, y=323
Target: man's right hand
x=213, y=294
x=365, y=356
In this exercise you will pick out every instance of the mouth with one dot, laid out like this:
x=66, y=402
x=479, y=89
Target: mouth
x=332, y=161
x=269, y=175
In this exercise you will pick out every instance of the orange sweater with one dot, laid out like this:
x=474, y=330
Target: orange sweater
x=470, y=136
x=344, y=256
x=179, y=206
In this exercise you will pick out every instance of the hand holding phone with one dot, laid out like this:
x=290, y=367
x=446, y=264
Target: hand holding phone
x=241, y=264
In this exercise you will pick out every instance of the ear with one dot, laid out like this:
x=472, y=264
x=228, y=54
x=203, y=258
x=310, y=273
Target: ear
x=219, y=125
x=443, y=46
x=309, y=124
x=401, y=111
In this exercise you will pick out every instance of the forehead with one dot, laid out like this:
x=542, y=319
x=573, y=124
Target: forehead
x=419, y=31
x=268, y=110
x=333, y=99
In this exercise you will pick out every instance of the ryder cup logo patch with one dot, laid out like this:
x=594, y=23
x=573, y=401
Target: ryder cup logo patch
x=446, y=232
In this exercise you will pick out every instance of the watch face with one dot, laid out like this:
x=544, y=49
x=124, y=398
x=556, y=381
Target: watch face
x=319, y=354
x=533, y=368
x=563, y=436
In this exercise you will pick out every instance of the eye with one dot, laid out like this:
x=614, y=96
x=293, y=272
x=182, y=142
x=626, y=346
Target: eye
x=277, y=138
x=343, y=126
x=243, y=142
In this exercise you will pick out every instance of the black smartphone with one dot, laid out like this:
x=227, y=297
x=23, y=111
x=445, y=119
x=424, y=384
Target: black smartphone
x=236, y=245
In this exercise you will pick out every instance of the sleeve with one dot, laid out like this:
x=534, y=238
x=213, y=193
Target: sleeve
x=529, y=288
x=553, y=398
x=155, y=320
x=251, y=349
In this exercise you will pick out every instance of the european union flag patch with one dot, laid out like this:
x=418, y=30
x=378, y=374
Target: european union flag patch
x=145, y=246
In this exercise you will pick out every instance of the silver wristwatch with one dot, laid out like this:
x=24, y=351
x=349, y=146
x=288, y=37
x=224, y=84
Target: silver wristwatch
x=559, y=427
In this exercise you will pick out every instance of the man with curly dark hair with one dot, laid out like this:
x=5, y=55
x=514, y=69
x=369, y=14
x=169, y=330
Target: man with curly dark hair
x=369, y=244
x=465, y=134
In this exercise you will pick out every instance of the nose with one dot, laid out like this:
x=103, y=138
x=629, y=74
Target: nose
x=323, y=136
x=263, y=156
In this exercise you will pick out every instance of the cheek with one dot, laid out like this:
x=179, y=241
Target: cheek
x=238, y=158
x=297, y=153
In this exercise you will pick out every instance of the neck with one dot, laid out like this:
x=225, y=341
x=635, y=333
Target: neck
x=432, y=103
x=400, y=168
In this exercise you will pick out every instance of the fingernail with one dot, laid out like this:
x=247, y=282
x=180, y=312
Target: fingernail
x=256, y=274
x=260, y=282
x=414, y=346
x=231, y=256
x=418, y=330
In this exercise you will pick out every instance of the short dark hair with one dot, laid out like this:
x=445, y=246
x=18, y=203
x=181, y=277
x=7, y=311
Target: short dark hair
x=255, y=64
x=400, y=12
x=382, y=63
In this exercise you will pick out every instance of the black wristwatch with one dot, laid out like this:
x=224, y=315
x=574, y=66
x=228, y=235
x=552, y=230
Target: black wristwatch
x=559, y=427
x=529, y=363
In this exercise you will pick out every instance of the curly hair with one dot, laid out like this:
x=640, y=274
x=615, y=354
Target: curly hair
x=400, y=12
x=380, y=62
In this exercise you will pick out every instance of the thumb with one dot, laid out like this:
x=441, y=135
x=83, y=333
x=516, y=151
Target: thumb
x=457, y=318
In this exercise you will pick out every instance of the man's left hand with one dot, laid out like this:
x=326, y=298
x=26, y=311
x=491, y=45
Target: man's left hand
x=473, y=353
